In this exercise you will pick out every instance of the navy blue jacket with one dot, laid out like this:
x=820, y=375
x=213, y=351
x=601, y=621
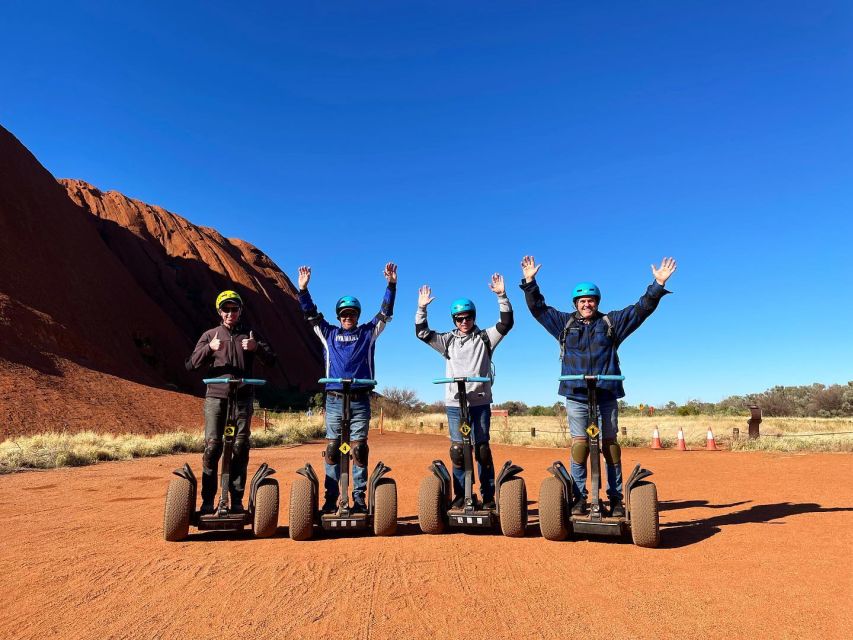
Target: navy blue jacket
x=349, y=354
x=589, y=349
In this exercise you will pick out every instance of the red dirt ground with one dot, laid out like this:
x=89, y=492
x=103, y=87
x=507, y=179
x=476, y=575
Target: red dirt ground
x=754, y=545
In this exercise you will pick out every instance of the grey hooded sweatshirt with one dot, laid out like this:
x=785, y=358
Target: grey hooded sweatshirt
x=467, y=354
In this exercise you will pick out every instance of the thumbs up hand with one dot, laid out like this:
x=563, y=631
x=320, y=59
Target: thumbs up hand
x=215, y=344
x=249, y=344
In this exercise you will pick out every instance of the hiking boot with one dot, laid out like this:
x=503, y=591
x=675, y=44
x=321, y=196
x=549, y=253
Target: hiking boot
x=617, y=509
x=458, y=502
x=489, y=504
x=580, y=508
x=330, y=505
x=206, y=509
x=358, y=507
x=236, y=507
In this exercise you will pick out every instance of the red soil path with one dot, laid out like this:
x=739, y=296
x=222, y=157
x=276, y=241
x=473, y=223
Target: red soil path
x=754, y=545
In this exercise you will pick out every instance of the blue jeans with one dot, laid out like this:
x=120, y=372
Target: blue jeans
x=481, y=417
x=359, y=426
x=608, y=419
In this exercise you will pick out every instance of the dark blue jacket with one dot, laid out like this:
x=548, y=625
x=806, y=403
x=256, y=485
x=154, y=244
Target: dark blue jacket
x=349, y=354
x=589, y=349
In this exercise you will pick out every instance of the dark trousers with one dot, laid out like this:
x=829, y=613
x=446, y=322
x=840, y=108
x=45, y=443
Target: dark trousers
x=215, y=410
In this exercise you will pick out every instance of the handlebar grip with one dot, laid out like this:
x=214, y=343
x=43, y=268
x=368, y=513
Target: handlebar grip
x=352, y=381
x=581, y=376
x=216, y=380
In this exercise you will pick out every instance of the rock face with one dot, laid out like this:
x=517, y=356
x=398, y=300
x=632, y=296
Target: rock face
x=102, y=298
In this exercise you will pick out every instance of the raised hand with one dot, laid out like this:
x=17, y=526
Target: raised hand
x=215, y=344
x=424, y=296
x=390, y=272
x=497, y=284
x=529, y=268
x=304, y=277
x=664, y=271
x=250, y=344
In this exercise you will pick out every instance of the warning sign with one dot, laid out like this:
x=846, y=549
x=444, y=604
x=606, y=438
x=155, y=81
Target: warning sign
x=593, y=431
x=465, y=429
x=344, y=448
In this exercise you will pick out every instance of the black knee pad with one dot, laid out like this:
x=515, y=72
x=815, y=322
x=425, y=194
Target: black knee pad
x=457, y=458
x=612, y=452
x=580, y=451
x=212, y=451
x=333, y=452
x=483, y=454
x=360, y=451
x=241, y=448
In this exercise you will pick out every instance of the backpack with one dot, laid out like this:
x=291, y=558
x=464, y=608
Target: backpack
x=565, y=332
x=484, y=336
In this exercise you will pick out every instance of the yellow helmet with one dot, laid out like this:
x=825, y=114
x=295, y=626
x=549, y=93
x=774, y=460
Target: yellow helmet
x=228, y=296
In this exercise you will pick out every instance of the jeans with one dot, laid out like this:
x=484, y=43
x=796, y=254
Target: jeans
x=359, y=426
x=608, y=418
x=215, y=410
x=481, y=417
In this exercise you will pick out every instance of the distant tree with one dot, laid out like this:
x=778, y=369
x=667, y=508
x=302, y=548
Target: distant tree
x=515, y=407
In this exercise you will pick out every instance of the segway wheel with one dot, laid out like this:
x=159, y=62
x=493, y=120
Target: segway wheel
x=645, y=529
x=432, y=517
x=385, y=509
x=265, y=518
x=179, y=508
x=513, y=508
x=552, y=510
x=301, y=509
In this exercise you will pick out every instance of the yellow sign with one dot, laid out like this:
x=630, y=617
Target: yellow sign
x=344, y=448
x=593, y=431
x=465, y=429
x=230, y=429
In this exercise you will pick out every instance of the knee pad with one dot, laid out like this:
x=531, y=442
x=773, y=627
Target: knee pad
x=360, y=452
x=457, y=458
x=483, y=454
x=612, y=452
x=212, y=451
x=333, y=453
x=241, y=448
x=580, y=451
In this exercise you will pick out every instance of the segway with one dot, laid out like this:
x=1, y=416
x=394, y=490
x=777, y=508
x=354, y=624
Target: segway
x=435, y=509
x=262, y=513
x=555, y=494
x=381, y=515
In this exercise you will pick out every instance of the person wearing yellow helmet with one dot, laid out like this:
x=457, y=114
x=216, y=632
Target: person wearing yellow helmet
x=228, y=350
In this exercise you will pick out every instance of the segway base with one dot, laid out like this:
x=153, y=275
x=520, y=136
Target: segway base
x=475, y=519
x=226, y=522
x=604, y=527
x=334, y=522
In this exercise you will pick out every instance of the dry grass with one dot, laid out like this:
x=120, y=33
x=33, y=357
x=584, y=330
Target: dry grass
x=53, y=450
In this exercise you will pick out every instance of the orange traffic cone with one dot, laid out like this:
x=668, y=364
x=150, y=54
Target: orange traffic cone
x=710, y=443
x=682, y=446
x=656, y=440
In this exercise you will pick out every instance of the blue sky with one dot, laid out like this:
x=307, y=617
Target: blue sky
x=454, y=138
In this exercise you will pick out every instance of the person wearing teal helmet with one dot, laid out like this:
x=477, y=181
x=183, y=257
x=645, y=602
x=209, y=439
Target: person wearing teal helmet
x=467, y=350
x=589, y=341
x=349, y=353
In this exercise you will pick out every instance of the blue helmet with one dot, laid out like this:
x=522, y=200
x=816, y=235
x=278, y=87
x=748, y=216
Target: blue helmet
x=462, y=305
x=585, y=289
x=347, y=302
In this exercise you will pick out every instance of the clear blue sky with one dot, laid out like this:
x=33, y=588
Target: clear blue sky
x=454, y=138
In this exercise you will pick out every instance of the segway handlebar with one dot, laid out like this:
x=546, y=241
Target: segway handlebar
x=581, y=376
x=254, y=381
x=350, y=380
x=461, y=379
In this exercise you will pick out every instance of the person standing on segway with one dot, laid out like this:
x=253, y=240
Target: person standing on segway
x=349, y=351
x=468, y=351
x=589, y=341
x=229, y=351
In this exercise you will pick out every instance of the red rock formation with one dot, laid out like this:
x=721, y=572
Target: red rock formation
x=97, y=317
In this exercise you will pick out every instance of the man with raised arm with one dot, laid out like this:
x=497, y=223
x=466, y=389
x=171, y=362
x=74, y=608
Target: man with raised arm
x=349, y=350
x=468, y=350
x=588, y=341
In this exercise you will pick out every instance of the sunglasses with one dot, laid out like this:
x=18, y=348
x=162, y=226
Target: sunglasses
x=229, y=309
x=463, y=318
x=348, y=315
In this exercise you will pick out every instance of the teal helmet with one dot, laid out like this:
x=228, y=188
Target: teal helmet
x=347, y=302
x=462, y=305
x=584, y=290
